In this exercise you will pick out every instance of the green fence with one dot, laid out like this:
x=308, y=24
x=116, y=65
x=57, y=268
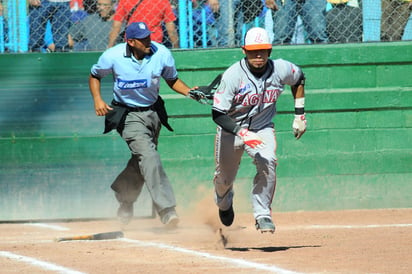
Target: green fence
x=55, y=162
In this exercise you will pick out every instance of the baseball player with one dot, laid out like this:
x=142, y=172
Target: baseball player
x=243, y=108
x=137, y=112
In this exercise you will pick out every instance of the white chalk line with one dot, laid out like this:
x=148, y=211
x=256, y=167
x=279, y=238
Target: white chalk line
x=54, y=227
x=27, y=242
x=344, y=226
x=62, y=228
x=235, y=262
x=41, y=264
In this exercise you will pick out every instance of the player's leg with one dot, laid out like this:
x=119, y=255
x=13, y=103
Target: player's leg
x=264, y=183
x=227, y=157
x=141, y=133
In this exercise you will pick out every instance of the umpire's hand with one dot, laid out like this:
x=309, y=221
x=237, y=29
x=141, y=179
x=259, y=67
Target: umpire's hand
x=101, y=108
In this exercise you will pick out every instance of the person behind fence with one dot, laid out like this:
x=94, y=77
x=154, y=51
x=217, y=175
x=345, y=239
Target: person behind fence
x=244, y=107
x=58, y=13
x=395, y=16
x=312, y=13
x=153, y=12
x=230, y=17
x=137, y=112
x=90, y=33
x=344, y=21
x=5, y=27
x=200, y=38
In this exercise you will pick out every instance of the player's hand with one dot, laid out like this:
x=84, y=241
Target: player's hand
x=299, y=125
x=101, y=108
x=250, y=138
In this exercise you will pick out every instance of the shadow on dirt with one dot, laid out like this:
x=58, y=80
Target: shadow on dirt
x=269, y=248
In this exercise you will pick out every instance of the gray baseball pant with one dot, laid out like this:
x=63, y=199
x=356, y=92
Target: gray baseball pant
x=228, y=153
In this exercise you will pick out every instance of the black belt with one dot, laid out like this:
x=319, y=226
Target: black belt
x=138, y=109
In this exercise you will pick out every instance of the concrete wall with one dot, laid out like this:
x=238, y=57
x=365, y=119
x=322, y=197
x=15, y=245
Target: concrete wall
x=55, y=163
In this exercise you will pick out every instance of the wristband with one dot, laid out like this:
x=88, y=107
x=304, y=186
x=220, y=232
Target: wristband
x=300, y=106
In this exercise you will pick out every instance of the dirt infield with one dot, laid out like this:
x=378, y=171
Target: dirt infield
x=364, y=241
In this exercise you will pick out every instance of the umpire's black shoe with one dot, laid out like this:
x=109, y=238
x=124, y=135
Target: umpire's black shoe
x=125, y=212
x=227, y=216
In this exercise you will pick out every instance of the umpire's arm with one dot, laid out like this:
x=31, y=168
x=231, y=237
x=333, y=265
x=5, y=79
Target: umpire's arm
x=179, y=86
x=100, y=107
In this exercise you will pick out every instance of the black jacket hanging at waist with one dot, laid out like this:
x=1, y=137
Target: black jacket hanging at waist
x=115, y=118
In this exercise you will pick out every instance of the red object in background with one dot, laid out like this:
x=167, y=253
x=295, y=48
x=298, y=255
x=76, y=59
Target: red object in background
x=76, y=5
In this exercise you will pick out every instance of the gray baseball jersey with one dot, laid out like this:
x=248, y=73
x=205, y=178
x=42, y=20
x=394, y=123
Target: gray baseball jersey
x=249, y=101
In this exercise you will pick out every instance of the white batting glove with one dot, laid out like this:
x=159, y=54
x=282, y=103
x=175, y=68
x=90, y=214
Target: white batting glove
x=299, y=125
x=250, y=138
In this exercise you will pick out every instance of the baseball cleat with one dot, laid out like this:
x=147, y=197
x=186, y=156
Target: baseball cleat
x=265, y=224
x=227, y=216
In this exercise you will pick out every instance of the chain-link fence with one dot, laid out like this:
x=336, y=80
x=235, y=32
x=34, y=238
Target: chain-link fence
x=94, y=25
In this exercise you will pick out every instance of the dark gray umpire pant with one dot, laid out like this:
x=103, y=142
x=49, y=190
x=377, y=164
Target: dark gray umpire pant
x=141, y=133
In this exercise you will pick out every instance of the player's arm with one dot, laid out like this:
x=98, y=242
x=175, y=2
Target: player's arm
x=225, y=122
x=298, y=92
x=248, y=137
x=100, y=107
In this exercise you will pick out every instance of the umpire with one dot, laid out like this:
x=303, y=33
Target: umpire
x=137, y=112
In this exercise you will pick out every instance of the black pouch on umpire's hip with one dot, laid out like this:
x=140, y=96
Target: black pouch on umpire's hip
x=160, y=108
x=115, y=119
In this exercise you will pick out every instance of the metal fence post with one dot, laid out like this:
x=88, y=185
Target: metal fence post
x=1, y=34
x=22, y=27
x=182, y=24
x=371, y=20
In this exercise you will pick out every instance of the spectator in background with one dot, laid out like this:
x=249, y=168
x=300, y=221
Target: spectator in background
x=395, y=16
x=228, y=22
x=198, y=8
x=344, y=21
x=153, y=12
x=3, y=28
x=91, y=32
x=230, y=17
x=313, y=14
x=58, y=13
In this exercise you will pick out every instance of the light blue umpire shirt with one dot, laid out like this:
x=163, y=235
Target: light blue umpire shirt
x=136, y=83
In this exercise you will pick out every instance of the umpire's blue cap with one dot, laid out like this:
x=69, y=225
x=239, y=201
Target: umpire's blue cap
x=137, y=30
